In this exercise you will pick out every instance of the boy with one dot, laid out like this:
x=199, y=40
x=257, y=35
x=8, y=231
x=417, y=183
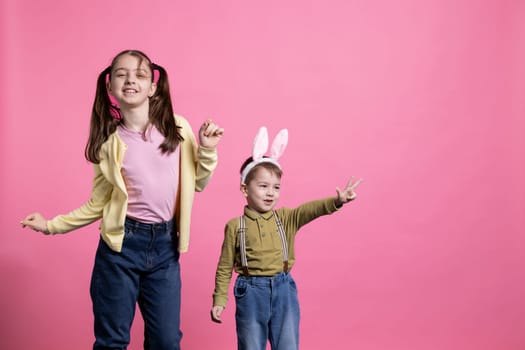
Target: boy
x=260, y=247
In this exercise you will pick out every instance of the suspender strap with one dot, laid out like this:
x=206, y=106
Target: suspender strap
x=242, y=233
x=284, y=243
x=242, y=243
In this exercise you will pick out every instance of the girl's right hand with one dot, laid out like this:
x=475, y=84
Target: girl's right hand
x=35, y=222
x=216, y=312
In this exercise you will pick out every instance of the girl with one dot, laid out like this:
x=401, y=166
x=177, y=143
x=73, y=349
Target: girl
x=147, y=168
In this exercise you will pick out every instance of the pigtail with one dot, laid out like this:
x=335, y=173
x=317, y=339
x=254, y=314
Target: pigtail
x=161, y=112
x=104, y=119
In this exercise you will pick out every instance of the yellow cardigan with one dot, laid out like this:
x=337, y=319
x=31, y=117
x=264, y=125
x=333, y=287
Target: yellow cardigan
x=109, y=198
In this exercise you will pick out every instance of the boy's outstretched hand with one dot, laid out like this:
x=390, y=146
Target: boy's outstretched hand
x=348, y=193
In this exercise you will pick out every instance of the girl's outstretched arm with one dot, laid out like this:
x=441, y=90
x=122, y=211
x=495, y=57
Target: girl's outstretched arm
x=348, y=193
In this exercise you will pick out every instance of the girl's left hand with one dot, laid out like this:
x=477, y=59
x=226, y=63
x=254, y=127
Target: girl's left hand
x=347, y=194
x=210, y=134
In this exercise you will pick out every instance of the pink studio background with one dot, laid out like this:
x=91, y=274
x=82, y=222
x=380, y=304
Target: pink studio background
x=423, y=99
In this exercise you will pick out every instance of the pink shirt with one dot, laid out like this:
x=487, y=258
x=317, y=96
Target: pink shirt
x=151, y=177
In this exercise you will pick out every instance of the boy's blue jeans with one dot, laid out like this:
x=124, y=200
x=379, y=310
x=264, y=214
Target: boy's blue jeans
x=267, y=308
x=147, y=271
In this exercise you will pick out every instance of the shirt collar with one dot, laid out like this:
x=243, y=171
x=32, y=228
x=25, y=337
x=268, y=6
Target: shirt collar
x=252, y=214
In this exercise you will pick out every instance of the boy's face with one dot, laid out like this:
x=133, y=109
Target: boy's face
x=262, y=192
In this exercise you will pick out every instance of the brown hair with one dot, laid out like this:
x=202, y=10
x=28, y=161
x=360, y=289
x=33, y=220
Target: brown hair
x=271, y=167
x=106, y=116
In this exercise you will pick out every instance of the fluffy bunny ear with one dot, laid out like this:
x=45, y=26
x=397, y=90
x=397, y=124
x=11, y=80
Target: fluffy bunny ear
x=260, y=143
x=279, y=144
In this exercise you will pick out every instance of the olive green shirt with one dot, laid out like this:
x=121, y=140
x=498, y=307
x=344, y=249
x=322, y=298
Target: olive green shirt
x=263, y=243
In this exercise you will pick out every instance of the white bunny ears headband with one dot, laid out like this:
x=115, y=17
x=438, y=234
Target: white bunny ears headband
x=260, y=146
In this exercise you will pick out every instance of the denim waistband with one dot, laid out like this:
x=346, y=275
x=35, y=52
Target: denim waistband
x=162, y=226
x=266, y=280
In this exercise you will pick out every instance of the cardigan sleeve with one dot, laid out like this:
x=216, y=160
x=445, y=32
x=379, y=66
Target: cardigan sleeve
x=196, y=168
x=89, y=212
x=206, y=164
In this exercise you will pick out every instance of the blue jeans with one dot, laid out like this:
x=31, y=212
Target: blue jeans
x=267, y=308
x=146, y=271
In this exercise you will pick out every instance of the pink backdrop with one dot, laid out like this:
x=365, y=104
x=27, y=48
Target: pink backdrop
x=423, y=99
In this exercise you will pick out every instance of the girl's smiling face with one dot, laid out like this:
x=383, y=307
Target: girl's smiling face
x=131, y=81
x=263, y=190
